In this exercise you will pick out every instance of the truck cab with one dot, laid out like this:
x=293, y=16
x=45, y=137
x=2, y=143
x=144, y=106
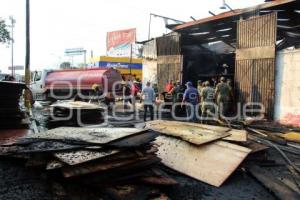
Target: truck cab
x=37, y=85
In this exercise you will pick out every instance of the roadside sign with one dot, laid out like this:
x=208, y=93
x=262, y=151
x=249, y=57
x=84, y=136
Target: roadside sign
x=74, y=51
x=16, y=67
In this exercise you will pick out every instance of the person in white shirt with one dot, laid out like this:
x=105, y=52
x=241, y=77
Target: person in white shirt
x=149, y=99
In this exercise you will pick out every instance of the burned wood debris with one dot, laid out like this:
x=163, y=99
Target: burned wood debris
x=11, y=114
x=197, y=150
x=75, y=112
x=111, y=158
x=212, y=153
x=93, y=156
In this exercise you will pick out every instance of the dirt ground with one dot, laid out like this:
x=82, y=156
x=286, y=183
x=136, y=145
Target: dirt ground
x=19, y=182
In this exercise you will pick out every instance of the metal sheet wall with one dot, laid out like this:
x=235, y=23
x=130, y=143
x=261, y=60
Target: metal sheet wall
x=150, y=50
x=168, y=44
x=255, y=73
x=169, y=60
x=168, y=68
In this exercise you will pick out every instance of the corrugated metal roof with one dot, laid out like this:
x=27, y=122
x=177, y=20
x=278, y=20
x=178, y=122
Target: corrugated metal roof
x=222, y=27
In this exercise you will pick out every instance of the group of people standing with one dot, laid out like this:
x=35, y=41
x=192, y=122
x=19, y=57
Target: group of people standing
x=204, y=95
x=210, y=99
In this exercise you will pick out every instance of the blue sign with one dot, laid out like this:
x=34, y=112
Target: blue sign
x=120, y=65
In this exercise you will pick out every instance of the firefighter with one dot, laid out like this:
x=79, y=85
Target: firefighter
x=223, y=94
x=207, y=99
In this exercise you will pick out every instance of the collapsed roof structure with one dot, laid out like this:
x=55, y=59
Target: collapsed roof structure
x=223, y=27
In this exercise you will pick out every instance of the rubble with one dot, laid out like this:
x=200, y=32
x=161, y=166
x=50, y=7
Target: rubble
x=196, y=149
x=111, y=157
x=214, y=161
x=93, y=156
x=76, y=112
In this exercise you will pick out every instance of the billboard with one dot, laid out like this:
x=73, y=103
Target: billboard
x=118, y=43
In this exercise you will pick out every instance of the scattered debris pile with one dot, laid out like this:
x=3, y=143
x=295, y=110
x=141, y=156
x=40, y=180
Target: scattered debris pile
x=11, y=114
x=122, y=160
x=212, y=153
x=76, y=112
x=93, y=156
x=200, y=151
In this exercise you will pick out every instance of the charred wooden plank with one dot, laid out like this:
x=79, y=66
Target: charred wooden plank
x=189, y=132
x=211, y=163
x=95, y=136
x=42, y=146
x=134, y=140
x=81, y=156
x=103, y=166
x=279, y=189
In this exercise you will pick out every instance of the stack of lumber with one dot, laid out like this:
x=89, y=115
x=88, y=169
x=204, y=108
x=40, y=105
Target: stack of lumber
x=200, y=151
x=10, y=113
x=76, y=112
x=93, y=156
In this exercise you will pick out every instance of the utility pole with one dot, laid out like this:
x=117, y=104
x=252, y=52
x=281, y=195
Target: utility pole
x=13, y=21
x=27, y=57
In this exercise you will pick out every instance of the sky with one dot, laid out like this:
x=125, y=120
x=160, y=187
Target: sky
x=56, y=25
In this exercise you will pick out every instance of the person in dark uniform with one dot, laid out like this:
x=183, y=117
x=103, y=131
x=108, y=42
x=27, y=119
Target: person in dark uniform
x=223, y=94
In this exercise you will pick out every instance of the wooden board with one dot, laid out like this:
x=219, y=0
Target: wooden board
x=211, y=163
x=186, y=131
x=280, y=190
x=255, y=53
x=255, y=147
x=81, y=156
x=88, y=168
x=135, y=140
x=235, y=134
x=76, y=105
x=38, y=147
x=87, y=135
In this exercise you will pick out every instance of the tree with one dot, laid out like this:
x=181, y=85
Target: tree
x=65, y=65
x=4, y=33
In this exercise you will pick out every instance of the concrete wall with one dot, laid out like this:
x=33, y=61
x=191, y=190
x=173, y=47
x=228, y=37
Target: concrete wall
x=287, y=87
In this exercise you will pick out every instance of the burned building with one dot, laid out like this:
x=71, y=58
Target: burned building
x=242, y=45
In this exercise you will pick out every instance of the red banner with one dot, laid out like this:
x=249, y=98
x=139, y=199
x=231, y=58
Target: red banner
x=122, y=37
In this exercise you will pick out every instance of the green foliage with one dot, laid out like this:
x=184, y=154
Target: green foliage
x=4, y=33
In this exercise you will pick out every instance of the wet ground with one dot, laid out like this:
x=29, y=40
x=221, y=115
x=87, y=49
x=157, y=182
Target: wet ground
x=19, y=182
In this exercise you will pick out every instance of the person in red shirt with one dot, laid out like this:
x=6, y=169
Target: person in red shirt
x=169, y=86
